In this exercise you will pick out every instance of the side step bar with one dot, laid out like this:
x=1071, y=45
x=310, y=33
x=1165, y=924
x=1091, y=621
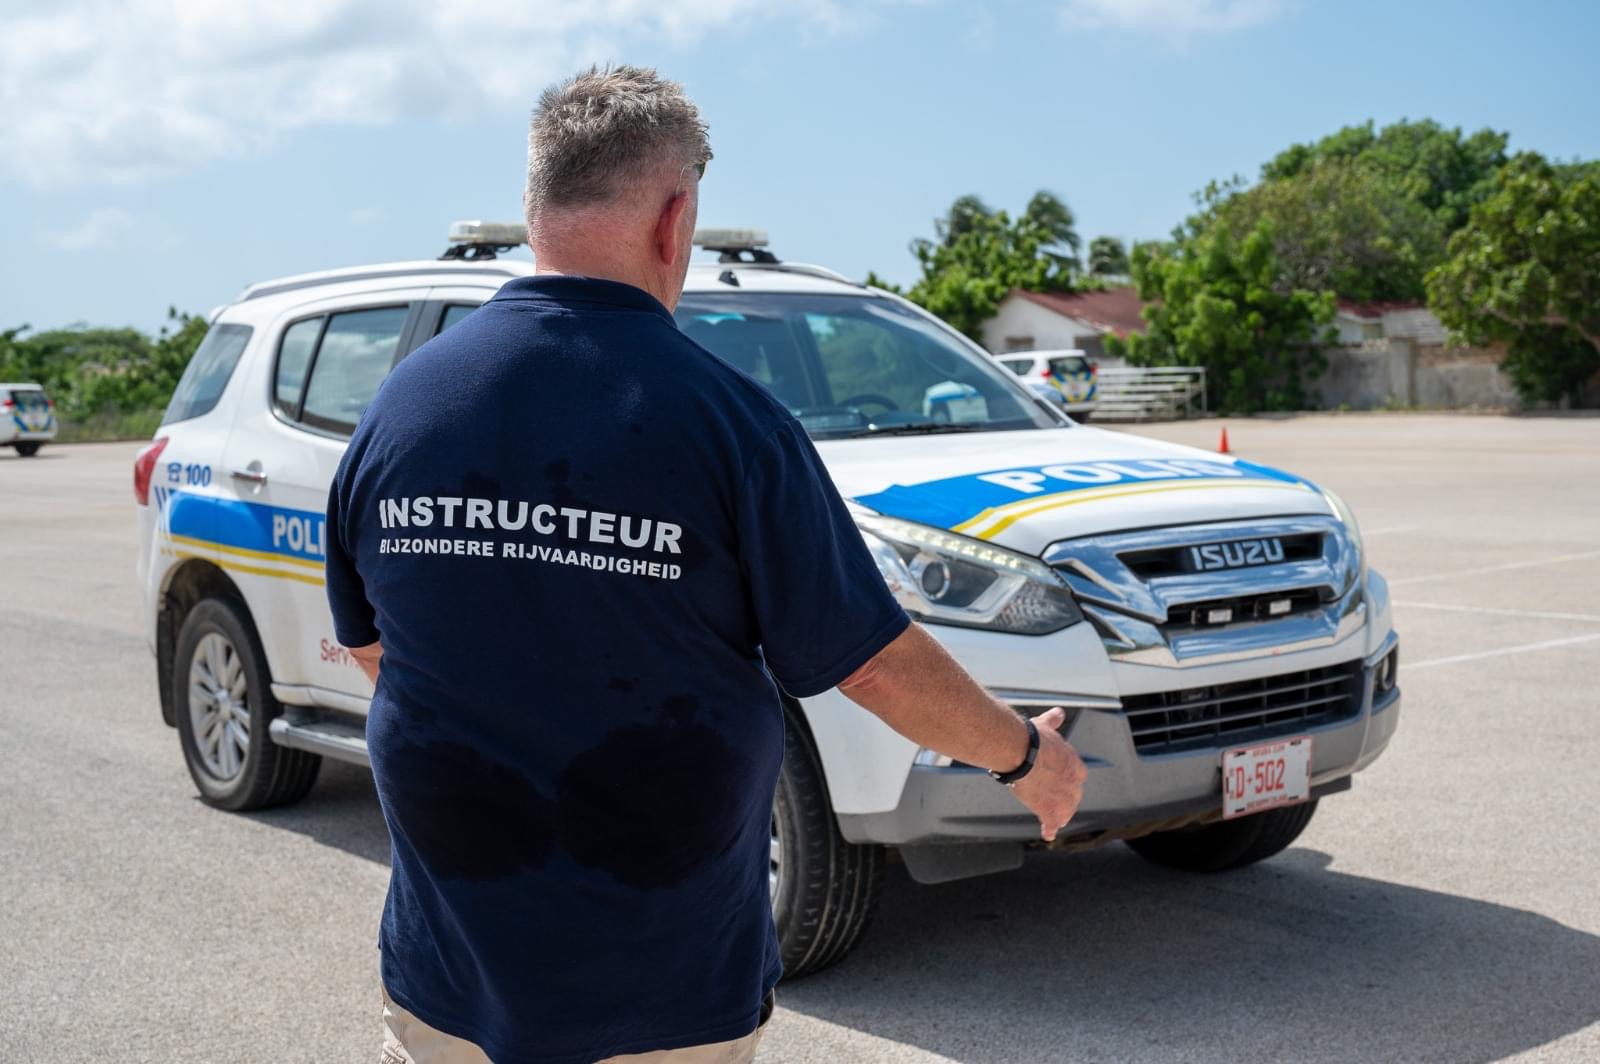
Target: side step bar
x=334, y=739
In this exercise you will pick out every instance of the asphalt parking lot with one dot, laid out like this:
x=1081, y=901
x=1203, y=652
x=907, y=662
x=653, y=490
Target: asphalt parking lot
x=1447, y=909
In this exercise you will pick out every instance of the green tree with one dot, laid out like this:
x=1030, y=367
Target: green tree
x=1108, y=257
x=1526, y=270
x=963, y=216
x=1220, y=302
x=1343, y=227
x=106, y=382
x=1051, y=216
x=981, y=254
x=1440, y=168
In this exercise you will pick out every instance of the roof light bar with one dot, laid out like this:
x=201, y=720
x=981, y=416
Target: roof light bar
x=483, y=240
x=500, y=234
x=730, y=239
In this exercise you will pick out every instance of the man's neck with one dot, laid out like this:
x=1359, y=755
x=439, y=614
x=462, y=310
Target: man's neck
x=563, y=262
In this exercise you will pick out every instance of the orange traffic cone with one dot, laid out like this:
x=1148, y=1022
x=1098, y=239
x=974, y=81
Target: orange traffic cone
x=1222, y=444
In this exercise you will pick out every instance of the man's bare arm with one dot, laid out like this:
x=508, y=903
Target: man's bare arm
x=916, y=687
x=368, y=657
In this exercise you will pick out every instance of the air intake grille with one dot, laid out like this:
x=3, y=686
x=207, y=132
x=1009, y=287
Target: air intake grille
x=1195, y=616
x=1231, y=714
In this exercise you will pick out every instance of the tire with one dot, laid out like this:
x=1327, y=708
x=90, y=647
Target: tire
x=824, y=889
x=1229, y=844
x=1082, y=417
x=218, y=663
x=28, y=449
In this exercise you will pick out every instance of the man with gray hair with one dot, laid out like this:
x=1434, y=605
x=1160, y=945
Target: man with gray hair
x=613, y=549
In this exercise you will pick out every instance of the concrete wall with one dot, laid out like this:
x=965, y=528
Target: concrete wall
x=1388, y=372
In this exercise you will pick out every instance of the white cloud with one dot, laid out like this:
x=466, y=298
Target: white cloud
x=100, y=228
x=126, y=90
x=1170, y=18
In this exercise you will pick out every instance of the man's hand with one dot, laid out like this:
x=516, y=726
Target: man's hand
x=916, y=688
x=367, y=658
x=1053, y=788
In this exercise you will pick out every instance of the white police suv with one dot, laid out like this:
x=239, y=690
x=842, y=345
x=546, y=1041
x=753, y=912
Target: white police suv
x=1224, y=652
x=1067, y=376
x=29, y=418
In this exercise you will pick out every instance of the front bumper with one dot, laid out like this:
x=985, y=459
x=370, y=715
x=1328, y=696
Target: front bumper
x=1127, y=793
x=10, y=433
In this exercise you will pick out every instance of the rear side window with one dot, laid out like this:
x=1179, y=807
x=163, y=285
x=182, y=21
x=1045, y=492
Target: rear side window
x=1019, y=366
x=452, y=314
x=206, y=377
x=294, y=358
x=329, y=368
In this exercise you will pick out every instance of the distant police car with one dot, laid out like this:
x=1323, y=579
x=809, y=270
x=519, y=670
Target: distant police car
x=1222, y=649
x=27, y=418
x=1069, y=373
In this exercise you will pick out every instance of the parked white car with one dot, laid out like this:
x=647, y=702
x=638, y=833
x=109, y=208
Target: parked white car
x=27, y=418
x=1225, y=654
x=1070, y=373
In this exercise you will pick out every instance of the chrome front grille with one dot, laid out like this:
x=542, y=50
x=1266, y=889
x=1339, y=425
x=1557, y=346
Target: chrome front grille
x=1199, y=594
x=1234, y=714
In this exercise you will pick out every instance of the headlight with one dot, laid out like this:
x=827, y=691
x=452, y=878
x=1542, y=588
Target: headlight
x=1347, y=517
x=949, y=579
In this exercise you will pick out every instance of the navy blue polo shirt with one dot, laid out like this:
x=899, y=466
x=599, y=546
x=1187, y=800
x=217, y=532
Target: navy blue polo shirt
x=593, y=552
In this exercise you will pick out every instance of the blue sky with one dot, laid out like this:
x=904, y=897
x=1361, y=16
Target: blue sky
x=168, y=153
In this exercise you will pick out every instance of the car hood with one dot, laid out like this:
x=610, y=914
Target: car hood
x=1026, y=490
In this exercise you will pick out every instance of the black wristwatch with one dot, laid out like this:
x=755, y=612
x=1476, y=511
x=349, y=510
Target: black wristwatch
x=1026, y=767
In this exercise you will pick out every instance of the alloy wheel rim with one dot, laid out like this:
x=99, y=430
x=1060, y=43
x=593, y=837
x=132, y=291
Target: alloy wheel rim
x=219, y=707
x=774, y=862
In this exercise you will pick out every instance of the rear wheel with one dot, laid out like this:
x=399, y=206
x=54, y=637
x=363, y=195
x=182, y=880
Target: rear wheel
x=1228, y=844
x=223, y=701
x=28, y=449
x=824, y=888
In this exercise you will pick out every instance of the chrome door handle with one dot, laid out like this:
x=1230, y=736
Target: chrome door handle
x=253, y=476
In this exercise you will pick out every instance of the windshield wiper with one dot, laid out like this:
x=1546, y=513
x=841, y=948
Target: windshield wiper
x=923, y=428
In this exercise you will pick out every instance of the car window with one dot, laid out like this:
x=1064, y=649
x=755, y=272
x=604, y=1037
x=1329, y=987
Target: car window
x=849, y=365
x=452, y=314
x=1068, y=365
x=1019, y=366
x=294, y=355
x=206, y=377
x=356, y=354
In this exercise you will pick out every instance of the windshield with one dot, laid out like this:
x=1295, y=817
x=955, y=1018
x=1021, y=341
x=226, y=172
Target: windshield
x=849, y=365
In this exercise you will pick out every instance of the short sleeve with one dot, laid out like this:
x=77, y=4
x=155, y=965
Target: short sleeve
x=354, y=622
x=822, y=606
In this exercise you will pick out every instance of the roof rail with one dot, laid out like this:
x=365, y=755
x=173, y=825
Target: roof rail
x=802, y=268
x=292, y=284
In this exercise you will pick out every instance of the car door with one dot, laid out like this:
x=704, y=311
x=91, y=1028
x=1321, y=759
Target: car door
x=324, y=370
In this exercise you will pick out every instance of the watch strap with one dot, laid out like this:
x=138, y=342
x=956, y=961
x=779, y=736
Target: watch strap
x=1028, y=759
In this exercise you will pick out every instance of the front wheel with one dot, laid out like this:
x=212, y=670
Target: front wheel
x=223, y=698
x=824, y=888
x=27, y=449
x=1228, y=844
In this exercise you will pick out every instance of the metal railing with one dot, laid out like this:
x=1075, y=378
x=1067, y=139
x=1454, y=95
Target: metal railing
x=1150, y=393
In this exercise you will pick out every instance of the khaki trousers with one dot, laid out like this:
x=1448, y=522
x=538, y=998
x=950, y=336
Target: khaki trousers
x=408, y=1040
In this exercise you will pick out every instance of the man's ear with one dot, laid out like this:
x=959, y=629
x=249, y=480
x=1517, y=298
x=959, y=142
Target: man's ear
x=667, y=224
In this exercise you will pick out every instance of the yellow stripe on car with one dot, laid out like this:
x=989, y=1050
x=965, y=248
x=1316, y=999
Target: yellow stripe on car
x=270, y=556
x=1003, y=517
x=256, y=570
